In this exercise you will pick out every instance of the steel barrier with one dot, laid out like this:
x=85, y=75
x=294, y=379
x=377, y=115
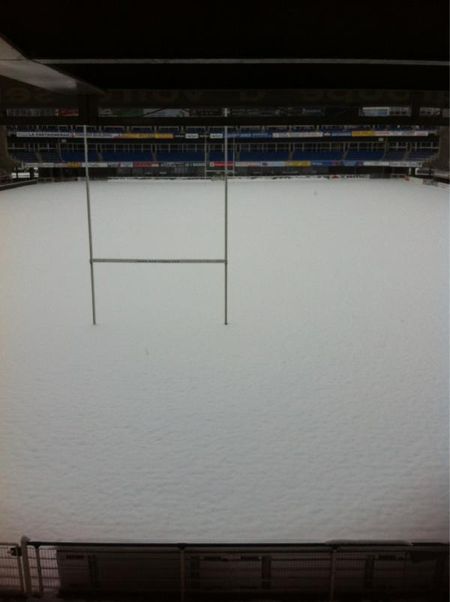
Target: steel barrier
x=329, y=572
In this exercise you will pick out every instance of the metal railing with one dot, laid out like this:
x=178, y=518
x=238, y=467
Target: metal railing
x=42, y=570
x=327, y=572
x=11, y=572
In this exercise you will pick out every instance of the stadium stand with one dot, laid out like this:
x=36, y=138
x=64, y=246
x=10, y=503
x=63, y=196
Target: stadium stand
x=329, y=148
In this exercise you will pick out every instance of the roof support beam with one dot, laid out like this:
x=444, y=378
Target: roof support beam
x=15, y=66
x=242, y=61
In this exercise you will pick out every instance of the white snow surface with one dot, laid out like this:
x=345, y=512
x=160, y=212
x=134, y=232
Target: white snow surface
x=320, y=412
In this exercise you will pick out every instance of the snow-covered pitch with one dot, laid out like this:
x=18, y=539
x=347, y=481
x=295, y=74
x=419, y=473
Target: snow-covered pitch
x=320, y=412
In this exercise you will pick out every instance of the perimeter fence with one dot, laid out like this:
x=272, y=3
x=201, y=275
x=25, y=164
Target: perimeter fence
x=331, y=571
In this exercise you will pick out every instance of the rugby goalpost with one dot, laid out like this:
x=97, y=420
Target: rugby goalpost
x=93, y=260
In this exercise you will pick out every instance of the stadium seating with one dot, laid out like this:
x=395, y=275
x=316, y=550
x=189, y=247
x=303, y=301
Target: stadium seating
x=50, y=156
x=140, y=129
x=78, y=156
x=24, y=156
x=112, y=129
x=261, y=156
x=186, y=157
x=365, y=155
x=394, y=155
x=219, y=156
x=317, y=156
x=422, y=154
x=303, y=128
x=127, y=156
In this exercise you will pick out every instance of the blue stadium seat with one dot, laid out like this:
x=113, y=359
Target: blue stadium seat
x=127, y=156
x=365, y=155
x=317, y=156
x=394, y=155
x=78, y=156
x=50, y=156
x=219, y=156
x=261, y=156
x=186, y=157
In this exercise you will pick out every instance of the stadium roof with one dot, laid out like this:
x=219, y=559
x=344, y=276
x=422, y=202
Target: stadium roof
x=105, y=47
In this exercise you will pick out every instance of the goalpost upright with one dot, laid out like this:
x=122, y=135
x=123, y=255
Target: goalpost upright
x=88, y=203
x=225, y=112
